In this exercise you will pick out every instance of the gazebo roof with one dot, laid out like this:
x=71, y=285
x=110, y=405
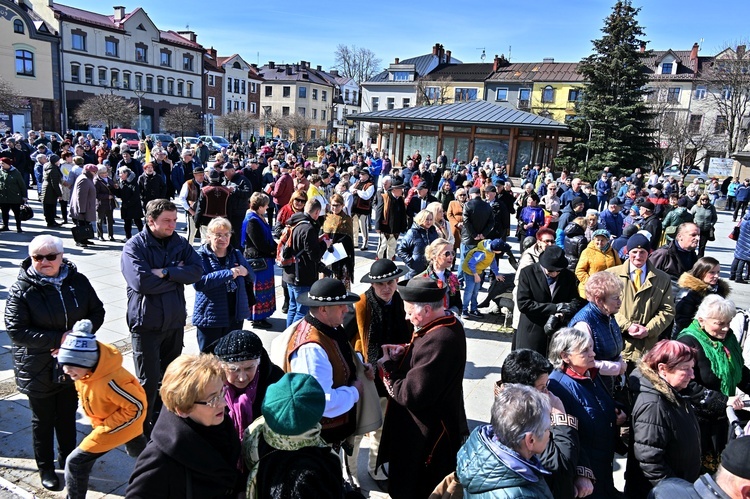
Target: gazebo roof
x=480, y=113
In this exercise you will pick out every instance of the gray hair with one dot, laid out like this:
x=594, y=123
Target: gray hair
x=567, y=340
x=517, y=411
x=45, y=241
x=438, y=305
x=715, y=307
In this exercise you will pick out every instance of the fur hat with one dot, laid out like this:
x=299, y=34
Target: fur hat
x=294, y=404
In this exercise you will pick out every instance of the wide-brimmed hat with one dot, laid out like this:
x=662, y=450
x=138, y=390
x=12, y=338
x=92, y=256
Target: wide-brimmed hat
x=397, y=183
x=553, y=259
x=421, y=290
x=383, y=271
x=327, y=292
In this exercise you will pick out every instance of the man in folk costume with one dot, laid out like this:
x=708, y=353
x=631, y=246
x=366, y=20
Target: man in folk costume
x=426, y=421
x=319, y=346
x=212, y=202
x=363, y=192
x=378, y=318
x=390, y=218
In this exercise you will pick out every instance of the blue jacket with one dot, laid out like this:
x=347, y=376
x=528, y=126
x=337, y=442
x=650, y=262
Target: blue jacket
x=489, y=470
x=411, y=246
x=743, y=193
x=211, y=305
x=602, y=187
x=613, y=223
x=158, y=303
x=742, y=250
x=605, y=331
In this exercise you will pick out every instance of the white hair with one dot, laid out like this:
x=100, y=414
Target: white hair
x=45, y=241
x=517, y=411
x=567, y=340
x=714, y=306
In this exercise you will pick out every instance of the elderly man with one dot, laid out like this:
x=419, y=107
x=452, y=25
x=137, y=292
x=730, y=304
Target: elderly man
x=378, y=318
x=319, y=346
x=611, y=219
x=239, y=199
x=390, y=218
x=426, y=421
x=575, y=191
x=189, y=194
x=651, y=222
x=420, y=201
x=678, y=256
x=363, y=192
x=647, y=301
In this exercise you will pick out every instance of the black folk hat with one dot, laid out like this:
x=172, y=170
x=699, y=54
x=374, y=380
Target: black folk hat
x=383, y=271
x=327, y=292
x=421, y=290
x=553, y=259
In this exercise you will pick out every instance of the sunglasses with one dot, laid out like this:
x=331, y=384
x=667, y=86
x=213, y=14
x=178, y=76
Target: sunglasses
x=50, y=258
x=448, y=253
x=335, y=205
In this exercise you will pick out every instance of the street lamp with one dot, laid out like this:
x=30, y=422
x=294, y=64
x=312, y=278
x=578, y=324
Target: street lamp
x=139, y=93
x=588, y=144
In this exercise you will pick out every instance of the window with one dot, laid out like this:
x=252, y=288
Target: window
x=726, y=93
x=673, y=94
x=180, y=88
x=111, y=47
x=302, y=92
x=312, y=133
x=115, y=78
x=574, y=95
x=650, y=94
x=666, y=68
x=465, y=94
x=323, y=115
x=700, y=92
x=720, y=126
x=236, y=86
x=18, y=26
x=138, y=82
x=126, y=81
x=400, y=76
x=211, y=103
x=236, y=105
x=432, y=94
x=406, y=102
x=78, y=39
x=242, y=87
x=166, y=58
x=190, y=89
x=211, y=80
x=346, y=95
x=502, y=94
x=88, y=74
x=102, y=76
x=75, y=73
x=149, y=84
x=242, y=105
x=375, y=103
x=524, y=96
x=253, y=87
x=269, y=90
x=315, y=94
x=24, y=63
x=285, y=111
x=695, y=123
x=301, y=111
x=170, y=87
x=548, y=94
x=315, y=114
x=187, y=62
x=324, y=95
x=160, y=85
x=253, y=107
x=390, y=103
x=354, y=97
x=229, y=106
x=286, y=91
x=141, y=52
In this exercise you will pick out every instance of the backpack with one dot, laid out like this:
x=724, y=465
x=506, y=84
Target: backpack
x=285, y=256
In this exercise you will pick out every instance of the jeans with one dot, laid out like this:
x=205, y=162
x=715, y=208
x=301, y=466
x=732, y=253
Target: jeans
x=738, y=266
x=77, y=472
x=153, y=351
x=207, y=335
x=49, y=416
x=602, y=200
x=296, y=309
x=471, y=291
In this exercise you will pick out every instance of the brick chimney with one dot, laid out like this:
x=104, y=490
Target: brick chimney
x=741, y=51
x=643, y=47
x=447, y=56
x=397, y=59
x=441, y=53
x=119, y=13
x=319, y=67
x=190, y=35
x=496, y=63
x=335, y=73
x=436, y=49
x=288, y=69
x=694, y=57
x=212, y=54
x=271, y=65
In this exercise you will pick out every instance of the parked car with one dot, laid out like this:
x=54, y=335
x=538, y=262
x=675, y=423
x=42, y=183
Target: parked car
x=181, y=141
x=131, y=136
x=346, y=147
x=49, y=136
x=97, y=133
x=215, y=142
x=676, y=171
x=163, y=137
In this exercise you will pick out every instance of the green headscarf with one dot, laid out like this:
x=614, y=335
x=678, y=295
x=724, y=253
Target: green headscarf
x=724, y=355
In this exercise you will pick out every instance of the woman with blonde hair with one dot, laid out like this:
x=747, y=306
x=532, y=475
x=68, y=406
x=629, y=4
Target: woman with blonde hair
x=339, y=227
x=442, y=225
x=440, y=256
x=412, y=245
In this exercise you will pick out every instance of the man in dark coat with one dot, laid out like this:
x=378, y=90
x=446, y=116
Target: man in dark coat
x=426, y=422
x=679, y=256
x=238, y=200
x=651, y=222
x=545, y=289
x=151, y=185
x=390, y=218
x=500, y=213
x=420, y=201
x=478, y=219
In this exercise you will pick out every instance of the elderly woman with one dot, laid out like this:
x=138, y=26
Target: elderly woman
x=440, y=255
x=248, y=371
x=719, y=371
x=455, y=215
x=500, y=459
x=598, y=255
x=551, y=201
x=442, y=225
x=665, y=434
x=49, y=296
x=105, y=203
x=194, y=449
x=339, y=228
x=411, y=246
x=51, y=189
x=260, y=252
x=694, y=285
x=577, y=383
x=221, y=297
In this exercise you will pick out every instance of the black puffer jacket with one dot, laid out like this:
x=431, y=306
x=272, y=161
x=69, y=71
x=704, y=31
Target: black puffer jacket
x=37, y=315
x=665, y=434
x=575, y=243
x=130, y=194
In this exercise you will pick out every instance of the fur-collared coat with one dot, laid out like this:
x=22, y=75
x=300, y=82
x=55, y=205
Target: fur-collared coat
x=689, y=296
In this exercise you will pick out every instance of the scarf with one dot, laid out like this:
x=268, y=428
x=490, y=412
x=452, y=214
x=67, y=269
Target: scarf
x=378, y=323
x=725, y=356
x=264, y=225
x=55, y=281
x=240, y=403
x=251, y=442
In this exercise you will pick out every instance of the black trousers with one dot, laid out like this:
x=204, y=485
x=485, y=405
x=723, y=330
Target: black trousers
x=49, y=416
x=740, y=207
x=6, y=208
x=49, y=210
x=129, y=226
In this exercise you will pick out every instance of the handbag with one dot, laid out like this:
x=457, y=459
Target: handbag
x=735, y=232
x=26, y=213
x=82, y=233
x=250, y=291
x=258, y=264
x=711, y=234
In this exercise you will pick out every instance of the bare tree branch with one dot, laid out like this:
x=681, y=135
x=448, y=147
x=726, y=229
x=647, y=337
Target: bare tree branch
x=435, y=91
x=297, y=123
x=358, y=63
x=181, y=119
x=108, y=110
x=237, y=122
x=10, y=99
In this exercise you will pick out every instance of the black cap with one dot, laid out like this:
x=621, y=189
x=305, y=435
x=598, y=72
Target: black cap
x=735, y=460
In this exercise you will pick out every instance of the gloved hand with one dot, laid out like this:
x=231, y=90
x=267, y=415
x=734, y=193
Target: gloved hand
x=554, y=323
x=564, y=308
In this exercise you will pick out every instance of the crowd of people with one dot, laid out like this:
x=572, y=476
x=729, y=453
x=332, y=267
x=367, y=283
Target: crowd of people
x=621, y=342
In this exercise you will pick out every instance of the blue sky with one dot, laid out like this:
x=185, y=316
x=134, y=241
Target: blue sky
x=294, y=30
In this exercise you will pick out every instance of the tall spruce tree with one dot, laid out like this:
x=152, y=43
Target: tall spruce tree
x=613, y=110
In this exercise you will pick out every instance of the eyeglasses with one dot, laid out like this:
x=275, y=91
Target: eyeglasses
x=548, y=241
x=462, y=195
x=448, y=253
x=216, y=400
x=221, y=235
x=50, y=258
x=704, y=199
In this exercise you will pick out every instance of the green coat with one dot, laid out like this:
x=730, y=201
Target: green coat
x=12, y=186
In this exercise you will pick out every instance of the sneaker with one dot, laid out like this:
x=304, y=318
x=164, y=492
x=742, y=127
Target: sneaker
x=476, y=313
x=465, y=314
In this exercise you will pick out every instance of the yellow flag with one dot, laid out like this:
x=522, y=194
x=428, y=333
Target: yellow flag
x=148, y=154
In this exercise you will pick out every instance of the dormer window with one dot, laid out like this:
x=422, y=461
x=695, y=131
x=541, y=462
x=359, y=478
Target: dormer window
x=666, y=68
x=400, y=76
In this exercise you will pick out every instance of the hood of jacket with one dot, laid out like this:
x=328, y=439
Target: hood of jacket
x=299, y=217
x=574, y=229
x=110, y=360
x=689, y=281
x=650, y=381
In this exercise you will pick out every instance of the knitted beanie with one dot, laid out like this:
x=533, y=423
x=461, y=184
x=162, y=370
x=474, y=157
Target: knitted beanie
x=79, y=348
x=294, y=404
x=237, y=346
